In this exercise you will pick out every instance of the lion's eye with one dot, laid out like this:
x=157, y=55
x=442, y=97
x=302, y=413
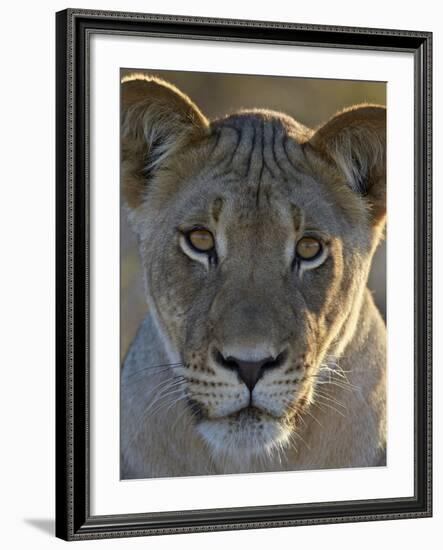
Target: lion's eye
x=201, y=240
x=308, y=248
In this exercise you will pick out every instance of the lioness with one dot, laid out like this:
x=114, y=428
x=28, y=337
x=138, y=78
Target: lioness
x=262, y=349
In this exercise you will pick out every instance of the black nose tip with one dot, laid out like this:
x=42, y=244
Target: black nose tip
x=249, y=371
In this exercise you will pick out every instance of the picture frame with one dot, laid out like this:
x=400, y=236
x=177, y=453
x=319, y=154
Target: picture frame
x=75, y=519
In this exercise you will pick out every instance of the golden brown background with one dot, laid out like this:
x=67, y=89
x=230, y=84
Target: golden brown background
x=311, y=101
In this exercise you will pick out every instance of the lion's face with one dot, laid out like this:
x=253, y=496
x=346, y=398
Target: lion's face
x=255, y=254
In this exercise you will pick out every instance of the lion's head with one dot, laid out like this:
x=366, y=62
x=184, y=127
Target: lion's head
x=256, y=236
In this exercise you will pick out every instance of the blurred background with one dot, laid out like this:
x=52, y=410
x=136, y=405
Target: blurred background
x=309, y=100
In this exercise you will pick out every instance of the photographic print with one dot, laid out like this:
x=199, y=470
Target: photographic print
x=253, y=274
x=244, y=306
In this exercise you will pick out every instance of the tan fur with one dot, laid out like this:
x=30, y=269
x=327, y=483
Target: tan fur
x=259, y=181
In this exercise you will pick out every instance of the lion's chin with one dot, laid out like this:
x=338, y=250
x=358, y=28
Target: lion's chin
x=244, y=438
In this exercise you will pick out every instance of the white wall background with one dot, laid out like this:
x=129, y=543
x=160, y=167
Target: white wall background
x=27, y=272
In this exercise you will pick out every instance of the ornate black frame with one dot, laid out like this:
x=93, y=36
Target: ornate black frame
x=73, y=518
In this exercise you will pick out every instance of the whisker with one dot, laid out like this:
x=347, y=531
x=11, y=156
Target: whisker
x=328, y=398
x=163, y=392
x=342, y=386
x=185, y=396
x=342, y=383
x=153, y=390
x=192, y=414
x=162, y=389
x=297, y=435
x=309, y=413
x=322, y=404
x=161, y=385
x=156, y=367
x=299, y=416
x=163, y=404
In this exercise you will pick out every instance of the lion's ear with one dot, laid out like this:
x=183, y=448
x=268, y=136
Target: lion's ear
x=158, y=120
x=355, y=140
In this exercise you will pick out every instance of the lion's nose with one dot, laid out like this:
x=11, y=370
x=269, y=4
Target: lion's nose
x=249, y=371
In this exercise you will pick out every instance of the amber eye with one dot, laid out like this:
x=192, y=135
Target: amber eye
x=201, y=239
x=308, y=248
